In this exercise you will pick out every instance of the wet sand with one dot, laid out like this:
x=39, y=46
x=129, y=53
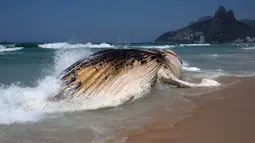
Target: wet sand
x=223, y=116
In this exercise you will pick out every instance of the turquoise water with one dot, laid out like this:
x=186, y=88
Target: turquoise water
x=28, y=64
x=28, y=76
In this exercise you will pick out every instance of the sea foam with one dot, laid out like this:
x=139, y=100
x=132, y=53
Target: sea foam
x=186, y=67
x=193, y=69
x=194, y=45
x=249, y=48
x=5, y=49
x=65, y=45
x=27, y=104
x=158, y=47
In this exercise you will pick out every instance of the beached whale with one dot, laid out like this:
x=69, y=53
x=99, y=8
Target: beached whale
x=125, y=73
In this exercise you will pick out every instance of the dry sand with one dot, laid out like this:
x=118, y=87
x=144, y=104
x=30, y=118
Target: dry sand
x=224, y=116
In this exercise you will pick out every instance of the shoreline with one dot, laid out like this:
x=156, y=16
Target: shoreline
x=224, y=115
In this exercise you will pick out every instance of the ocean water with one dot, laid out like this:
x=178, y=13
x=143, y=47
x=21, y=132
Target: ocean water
x=28, y=76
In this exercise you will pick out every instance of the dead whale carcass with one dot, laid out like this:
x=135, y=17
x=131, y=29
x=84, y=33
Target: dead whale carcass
x=125, y=73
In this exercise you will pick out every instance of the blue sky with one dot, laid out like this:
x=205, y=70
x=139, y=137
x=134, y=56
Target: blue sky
x=105, y=20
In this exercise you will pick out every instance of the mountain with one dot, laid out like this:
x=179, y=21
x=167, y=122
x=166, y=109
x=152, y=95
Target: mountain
x=249, y=22
x=221, y=28
x=201, y=19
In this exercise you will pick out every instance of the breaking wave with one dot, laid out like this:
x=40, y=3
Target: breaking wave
x=27, y=104
x=9, y=49
x=213, y=55
x=249, y=48
x=65, y=45
x=158, y=47
x=194, y=69
x=198, y=72
x=186, y=67
x=194, y=45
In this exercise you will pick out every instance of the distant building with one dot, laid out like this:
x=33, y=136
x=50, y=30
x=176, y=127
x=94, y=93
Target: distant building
x=202, y=39
x=238, y=40
x=250, y=39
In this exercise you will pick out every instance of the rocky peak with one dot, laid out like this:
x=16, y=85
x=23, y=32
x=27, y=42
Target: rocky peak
x=220, y=10
x=222, y=27
x=230, y=15
x=222, y=15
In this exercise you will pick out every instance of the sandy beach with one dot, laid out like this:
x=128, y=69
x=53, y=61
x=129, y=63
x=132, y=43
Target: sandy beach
x=223, y=116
